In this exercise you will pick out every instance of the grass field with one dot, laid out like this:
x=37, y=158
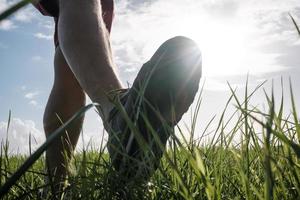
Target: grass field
x=263, y=164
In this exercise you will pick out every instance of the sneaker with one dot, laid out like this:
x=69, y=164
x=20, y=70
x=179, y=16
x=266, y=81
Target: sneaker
x=144, y=116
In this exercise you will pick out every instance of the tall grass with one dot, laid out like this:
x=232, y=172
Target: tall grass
x=295, y=24
x=264, y=164
x=241, y=161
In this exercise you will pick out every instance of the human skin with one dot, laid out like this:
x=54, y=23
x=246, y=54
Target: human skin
x=65, y=99
x=83, y=64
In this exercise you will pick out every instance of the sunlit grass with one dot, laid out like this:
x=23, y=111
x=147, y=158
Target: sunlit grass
x=262, y=164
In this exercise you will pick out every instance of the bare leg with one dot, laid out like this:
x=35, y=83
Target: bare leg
x=65, y=99
x=85, y=44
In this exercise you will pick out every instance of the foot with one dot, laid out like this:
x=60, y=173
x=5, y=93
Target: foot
x=145, y=115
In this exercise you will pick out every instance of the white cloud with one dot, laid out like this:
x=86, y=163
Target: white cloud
x=23, y=87
x=26, y=15
x=233, y=39
x=297, y=43
x=33, y=102
x=32, y=98
x=43, y=36
x=279, y=5
x=4, y=4
x=7, y=25
x=215, y=85
x=129, y=70
x=36, y=58
x=47, y=24
x=18, y=135
x=93, y=131
x=31, y=95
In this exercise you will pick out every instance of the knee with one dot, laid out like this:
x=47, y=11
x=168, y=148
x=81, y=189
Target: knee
x=67, y=92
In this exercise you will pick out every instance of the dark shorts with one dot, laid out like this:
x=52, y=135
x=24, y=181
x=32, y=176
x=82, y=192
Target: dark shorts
x=51, y=8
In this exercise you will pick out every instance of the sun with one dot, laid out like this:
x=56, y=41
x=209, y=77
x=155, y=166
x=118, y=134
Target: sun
x=223, y=46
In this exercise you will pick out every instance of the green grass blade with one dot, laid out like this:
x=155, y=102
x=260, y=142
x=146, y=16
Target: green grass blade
x=294, y=112
x=269, y=184
x=29, y=162
x=8, y=122
x=13, y=9
x=280, y=135
x=295, y=23
x=280, y=113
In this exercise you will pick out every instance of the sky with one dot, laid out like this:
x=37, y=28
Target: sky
x=254, y=38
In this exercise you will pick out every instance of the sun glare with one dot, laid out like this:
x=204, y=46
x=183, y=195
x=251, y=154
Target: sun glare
x=230, y=46
x=222, y=46
x=223, y=49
